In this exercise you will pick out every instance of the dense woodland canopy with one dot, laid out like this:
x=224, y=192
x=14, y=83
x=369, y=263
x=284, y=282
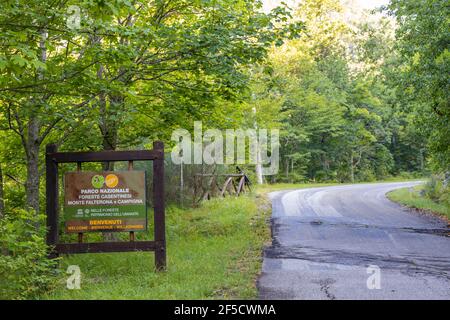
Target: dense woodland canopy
x=357, y=97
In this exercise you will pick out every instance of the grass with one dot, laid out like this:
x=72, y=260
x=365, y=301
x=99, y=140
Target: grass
x=412, y=198
x=214, y=251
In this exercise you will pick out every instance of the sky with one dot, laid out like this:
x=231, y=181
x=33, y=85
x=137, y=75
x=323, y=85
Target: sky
x=366, y=4
x=371, y=4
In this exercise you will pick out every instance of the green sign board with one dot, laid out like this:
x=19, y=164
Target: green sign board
x=105, y=201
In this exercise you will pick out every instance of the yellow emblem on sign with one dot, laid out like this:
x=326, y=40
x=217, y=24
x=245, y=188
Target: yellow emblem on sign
x=111, y=180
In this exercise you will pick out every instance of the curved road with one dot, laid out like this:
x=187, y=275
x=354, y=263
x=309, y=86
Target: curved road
x=351, y=242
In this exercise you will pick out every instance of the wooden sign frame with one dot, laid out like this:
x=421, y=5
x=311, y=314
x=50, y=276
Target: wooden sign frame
x=158, y=245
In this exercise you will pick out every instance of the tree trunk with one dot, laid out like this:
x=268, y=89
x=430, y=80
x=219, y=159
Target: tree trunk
x=286, y=166
x=422, y=160
x=2, y=202
x=108, y=128
x=258, y=169
x=352, y=170
x=258, y=166
x=32, y=182
x=33, y=142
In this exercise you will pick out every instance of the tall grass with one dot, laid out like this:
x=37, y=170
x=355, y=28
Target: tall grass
x=416, y=198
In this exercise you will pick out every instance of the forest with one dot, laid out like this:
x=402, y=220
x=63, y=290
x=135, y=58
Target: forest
x=357, y=95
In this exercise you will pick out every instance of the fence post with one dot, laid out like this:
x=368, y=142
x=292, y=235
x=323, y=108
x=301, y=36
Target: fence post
x=52, y=208
x=158, y=204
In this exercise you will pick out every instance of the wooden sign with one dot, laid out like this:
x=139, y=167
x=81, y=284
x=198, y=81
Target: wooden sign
x=115, y=202
x=105, y=201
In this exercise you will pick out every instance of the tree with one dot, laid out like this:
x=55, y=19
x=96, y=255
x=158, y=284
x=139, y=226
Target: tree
x=340, y=112
x=166, y=60
x=422, y=41
x=36, y=71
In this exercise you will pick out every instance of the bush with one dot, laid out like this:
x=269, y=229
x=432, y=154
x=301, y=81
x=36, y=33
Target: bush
x=405, y=175
x=438, y=189
x=365, y=175
x=25, y=269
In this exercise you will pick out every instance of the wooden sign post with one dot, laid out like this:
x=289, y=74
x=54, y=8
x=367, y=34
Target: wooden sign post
x=84, y=224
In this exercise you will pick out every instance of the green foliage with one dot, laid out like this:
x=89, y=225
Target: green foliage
x=422, y=41
x=25, y=270
x=438, y=189
x=339, y=113
x=130, y=72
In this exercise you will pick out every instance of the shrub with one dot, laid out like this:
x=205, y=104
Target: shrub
x=433, y=187
x=25, y=270
x=438, y=189
x=405, y=175
x=366, y=174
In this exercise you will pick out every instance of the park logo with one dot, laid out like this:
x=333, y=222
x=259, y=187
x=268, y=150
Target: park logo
x=111, y=181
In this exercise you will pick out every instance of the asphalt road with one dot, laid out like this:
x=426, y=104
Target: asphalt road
x=351, y=242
